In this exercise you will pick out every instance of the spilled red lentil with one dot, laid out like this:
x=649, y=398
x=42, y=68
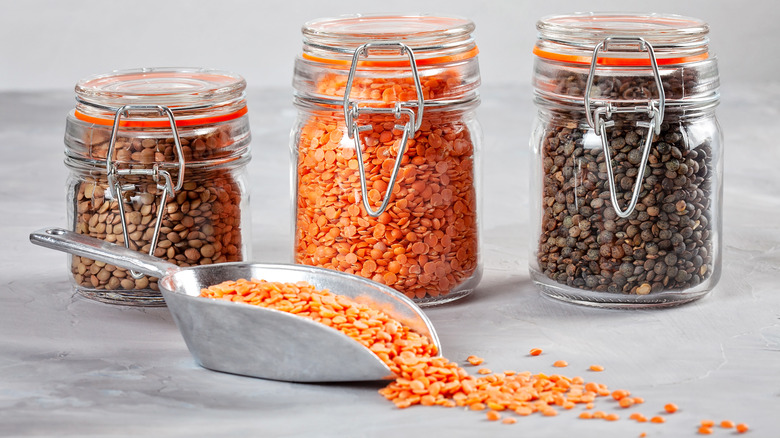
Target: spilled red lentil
x=429, y=380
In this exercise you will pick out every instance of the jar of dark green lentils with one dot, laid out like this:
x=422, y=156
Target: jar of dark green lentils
x=627, y=178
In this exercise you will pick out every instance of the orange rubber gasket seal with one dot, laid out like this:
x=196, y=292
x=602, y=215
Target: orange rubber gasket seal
x=161, y=123
x=420, y=62
x=627, y=62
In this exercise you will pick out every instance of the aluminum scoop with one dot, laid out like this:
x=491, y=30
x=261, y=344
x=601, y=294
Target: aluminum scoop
x=251, y=340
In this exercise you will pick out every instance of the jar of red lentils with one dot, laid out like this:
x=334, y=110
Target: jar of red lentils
x=157, y=162
x=385, y=152
x=629, y=160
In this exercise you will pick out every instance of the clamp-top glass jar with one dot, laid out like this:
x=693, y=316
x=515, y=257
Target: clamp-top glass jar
x=157, y=162
x=385, y=152
x=628, y=174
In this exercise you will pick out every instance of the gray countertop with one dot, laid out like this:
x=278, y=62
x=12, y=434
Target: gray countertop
x=73, y=367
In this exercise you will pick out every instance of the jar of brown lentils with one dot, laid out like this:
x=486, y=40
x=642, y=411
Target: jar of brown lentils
x=627, y=180
x=385, y=152
x=157, y=162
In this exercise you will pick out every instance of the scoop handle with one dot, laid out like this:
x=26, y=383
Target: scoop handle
x=96, y=249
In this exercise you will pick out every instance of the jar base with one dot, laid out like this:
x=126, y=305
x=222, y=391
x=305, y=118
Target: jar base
x=616, y=301
x=463, y=290
x=442, y=299
x=124, y=298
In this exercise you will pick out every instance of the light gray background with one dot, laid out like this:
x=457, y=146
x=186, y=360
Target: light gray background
x=72, y=367
x=49, y=45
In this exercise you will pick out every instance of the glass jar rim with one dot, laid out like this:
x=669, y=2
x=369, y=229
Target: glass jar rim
x=571, y=38
x=174, y=87
x=604, y=24
x=429, y=36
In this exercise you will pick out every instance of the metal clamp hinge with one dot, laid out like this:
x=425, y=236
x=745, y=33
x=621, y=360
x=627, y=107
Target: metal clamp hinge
x=600, y=119
x=167, y=187
x=352, y=112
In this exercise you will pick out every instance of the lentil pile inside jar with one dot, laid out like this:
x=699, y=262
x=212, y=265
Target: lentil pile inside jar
x=181, y=192
x=628, y=160
x=404, y=215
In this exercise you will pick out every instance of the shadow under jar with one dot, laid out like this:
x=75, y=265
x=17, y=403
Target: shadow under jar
x=627, y=179
x=385, y=152
x=157, y=161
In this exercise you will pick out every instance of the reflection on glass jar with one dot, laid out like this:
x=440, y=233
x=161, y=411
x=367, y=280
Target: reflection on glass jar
x=386, y=178
x=157, y=163
x=628, y=173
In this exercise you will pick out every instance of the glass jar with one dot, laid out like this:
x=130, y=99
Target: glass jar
x=157, y=161
x=642, y=228
x=385, y=151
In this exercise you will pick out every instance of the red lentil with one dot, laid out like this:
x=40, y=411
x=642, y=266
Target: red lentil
x=394, y=343
x=475, y=360
x=535, y=351
x=428, y=380
x=425, y=243
x=620, y=394
x=560, y=363
x=596, y=368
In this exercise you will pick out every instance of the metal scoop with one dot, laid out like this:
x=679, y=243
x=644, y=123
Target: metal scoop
x=251, y=340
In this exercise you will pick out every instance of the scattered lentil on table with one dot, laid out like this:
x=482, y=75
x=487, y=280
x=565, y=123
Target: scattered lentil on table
x=423, y=378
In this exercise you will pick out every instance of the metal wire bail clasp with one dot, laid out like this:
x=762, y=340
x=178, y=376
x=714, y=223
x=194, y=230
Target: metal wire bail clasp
x=159, y=176
x=352, y=111
x=600, y=119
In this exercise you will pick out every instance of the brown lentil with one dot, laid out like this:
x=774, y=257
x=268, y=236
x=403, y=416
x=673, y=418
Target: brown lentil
x=201, y=223
x=202, y=217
